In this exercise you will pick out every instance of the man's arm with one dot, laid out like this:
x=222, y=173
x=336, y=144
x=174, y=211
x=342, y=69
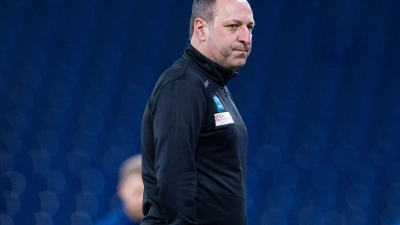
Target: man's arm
x=178, y=113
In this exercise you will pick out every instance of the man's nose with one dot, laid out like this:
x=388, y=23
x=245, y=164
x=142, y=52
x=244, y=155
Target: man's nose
x=245, y=35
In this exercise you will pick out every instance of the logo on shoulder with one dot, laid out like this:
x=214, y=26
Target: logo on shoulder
x=206, y=83
x=218, y=103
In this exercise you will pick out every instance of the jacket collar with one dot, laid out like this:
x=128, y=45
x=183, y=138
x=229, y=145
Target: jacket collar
x=216, y=72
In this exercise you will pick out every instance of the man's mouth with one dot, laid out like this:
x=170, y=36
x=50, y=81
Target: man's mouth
x=241, y=50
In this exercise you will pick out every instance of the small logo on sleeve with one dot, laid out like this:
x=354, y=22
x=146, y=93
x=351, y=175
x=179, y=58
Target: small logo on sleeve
x=220, y=107
x=223, y=118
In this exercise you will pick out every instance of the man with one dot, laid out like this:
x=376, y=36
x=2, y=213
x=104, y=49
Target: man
x=194, y=141
x=130, y=191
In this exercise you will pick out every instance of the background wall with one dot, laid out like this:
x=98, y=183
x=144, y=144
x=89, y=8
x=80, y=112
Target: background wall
x=319, y=95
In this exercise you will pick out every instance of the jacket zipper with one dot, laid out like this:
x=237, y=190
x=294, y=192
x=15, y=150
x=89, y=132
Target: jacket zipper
x=231, y=102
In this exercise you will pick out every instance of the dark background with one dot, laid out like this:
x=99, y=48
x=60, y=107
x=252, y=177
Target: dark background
x=320, y=96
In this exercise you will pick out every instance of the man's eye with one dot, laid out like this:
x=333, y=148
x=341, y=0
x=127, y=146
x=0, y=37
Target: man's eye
x=250, y=29
x=233, y=26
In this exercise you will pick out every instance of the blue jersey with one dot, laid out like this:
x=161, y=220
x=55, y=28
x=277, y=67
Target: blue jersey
x=117, y=217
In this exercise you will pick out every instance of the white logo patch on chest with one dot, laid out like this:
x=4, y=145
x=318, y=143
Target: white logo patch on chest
x=223, y=118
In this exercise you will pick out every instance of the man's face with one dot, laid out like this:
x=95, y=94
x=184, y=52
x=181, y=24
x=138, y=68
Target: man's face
x=131, y=193
x=228, y=39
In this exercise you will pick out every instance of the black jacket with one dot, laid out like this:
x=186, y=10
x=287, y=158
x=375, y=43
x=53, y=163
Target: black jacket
x=194, y=146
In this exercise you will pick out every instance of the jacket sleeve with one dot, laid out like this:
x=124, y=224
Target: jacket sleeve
x=177, y=115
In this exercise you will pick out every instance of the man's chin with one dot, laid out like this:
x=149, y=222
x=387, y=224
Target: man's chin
x=238, y=64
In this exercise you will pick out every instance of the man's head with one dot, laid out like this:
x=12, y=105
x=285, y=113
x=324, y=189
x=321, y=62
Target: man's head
x=130, y=187
x=222, y=31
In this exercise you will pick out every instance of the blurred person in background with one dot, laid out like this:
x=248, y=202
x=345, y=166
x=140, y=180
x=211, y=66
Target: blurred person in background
x=130, y=191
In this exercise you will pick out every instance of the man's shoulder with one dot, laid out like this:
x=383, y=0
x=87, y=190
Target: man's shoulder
x=184, y=70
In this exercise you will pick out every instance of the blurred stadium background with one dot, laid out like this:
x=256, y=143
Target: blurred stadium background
x=320, y=96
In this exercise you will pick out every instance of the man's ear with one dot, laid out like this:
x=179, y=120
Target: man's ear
x=200, y=29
